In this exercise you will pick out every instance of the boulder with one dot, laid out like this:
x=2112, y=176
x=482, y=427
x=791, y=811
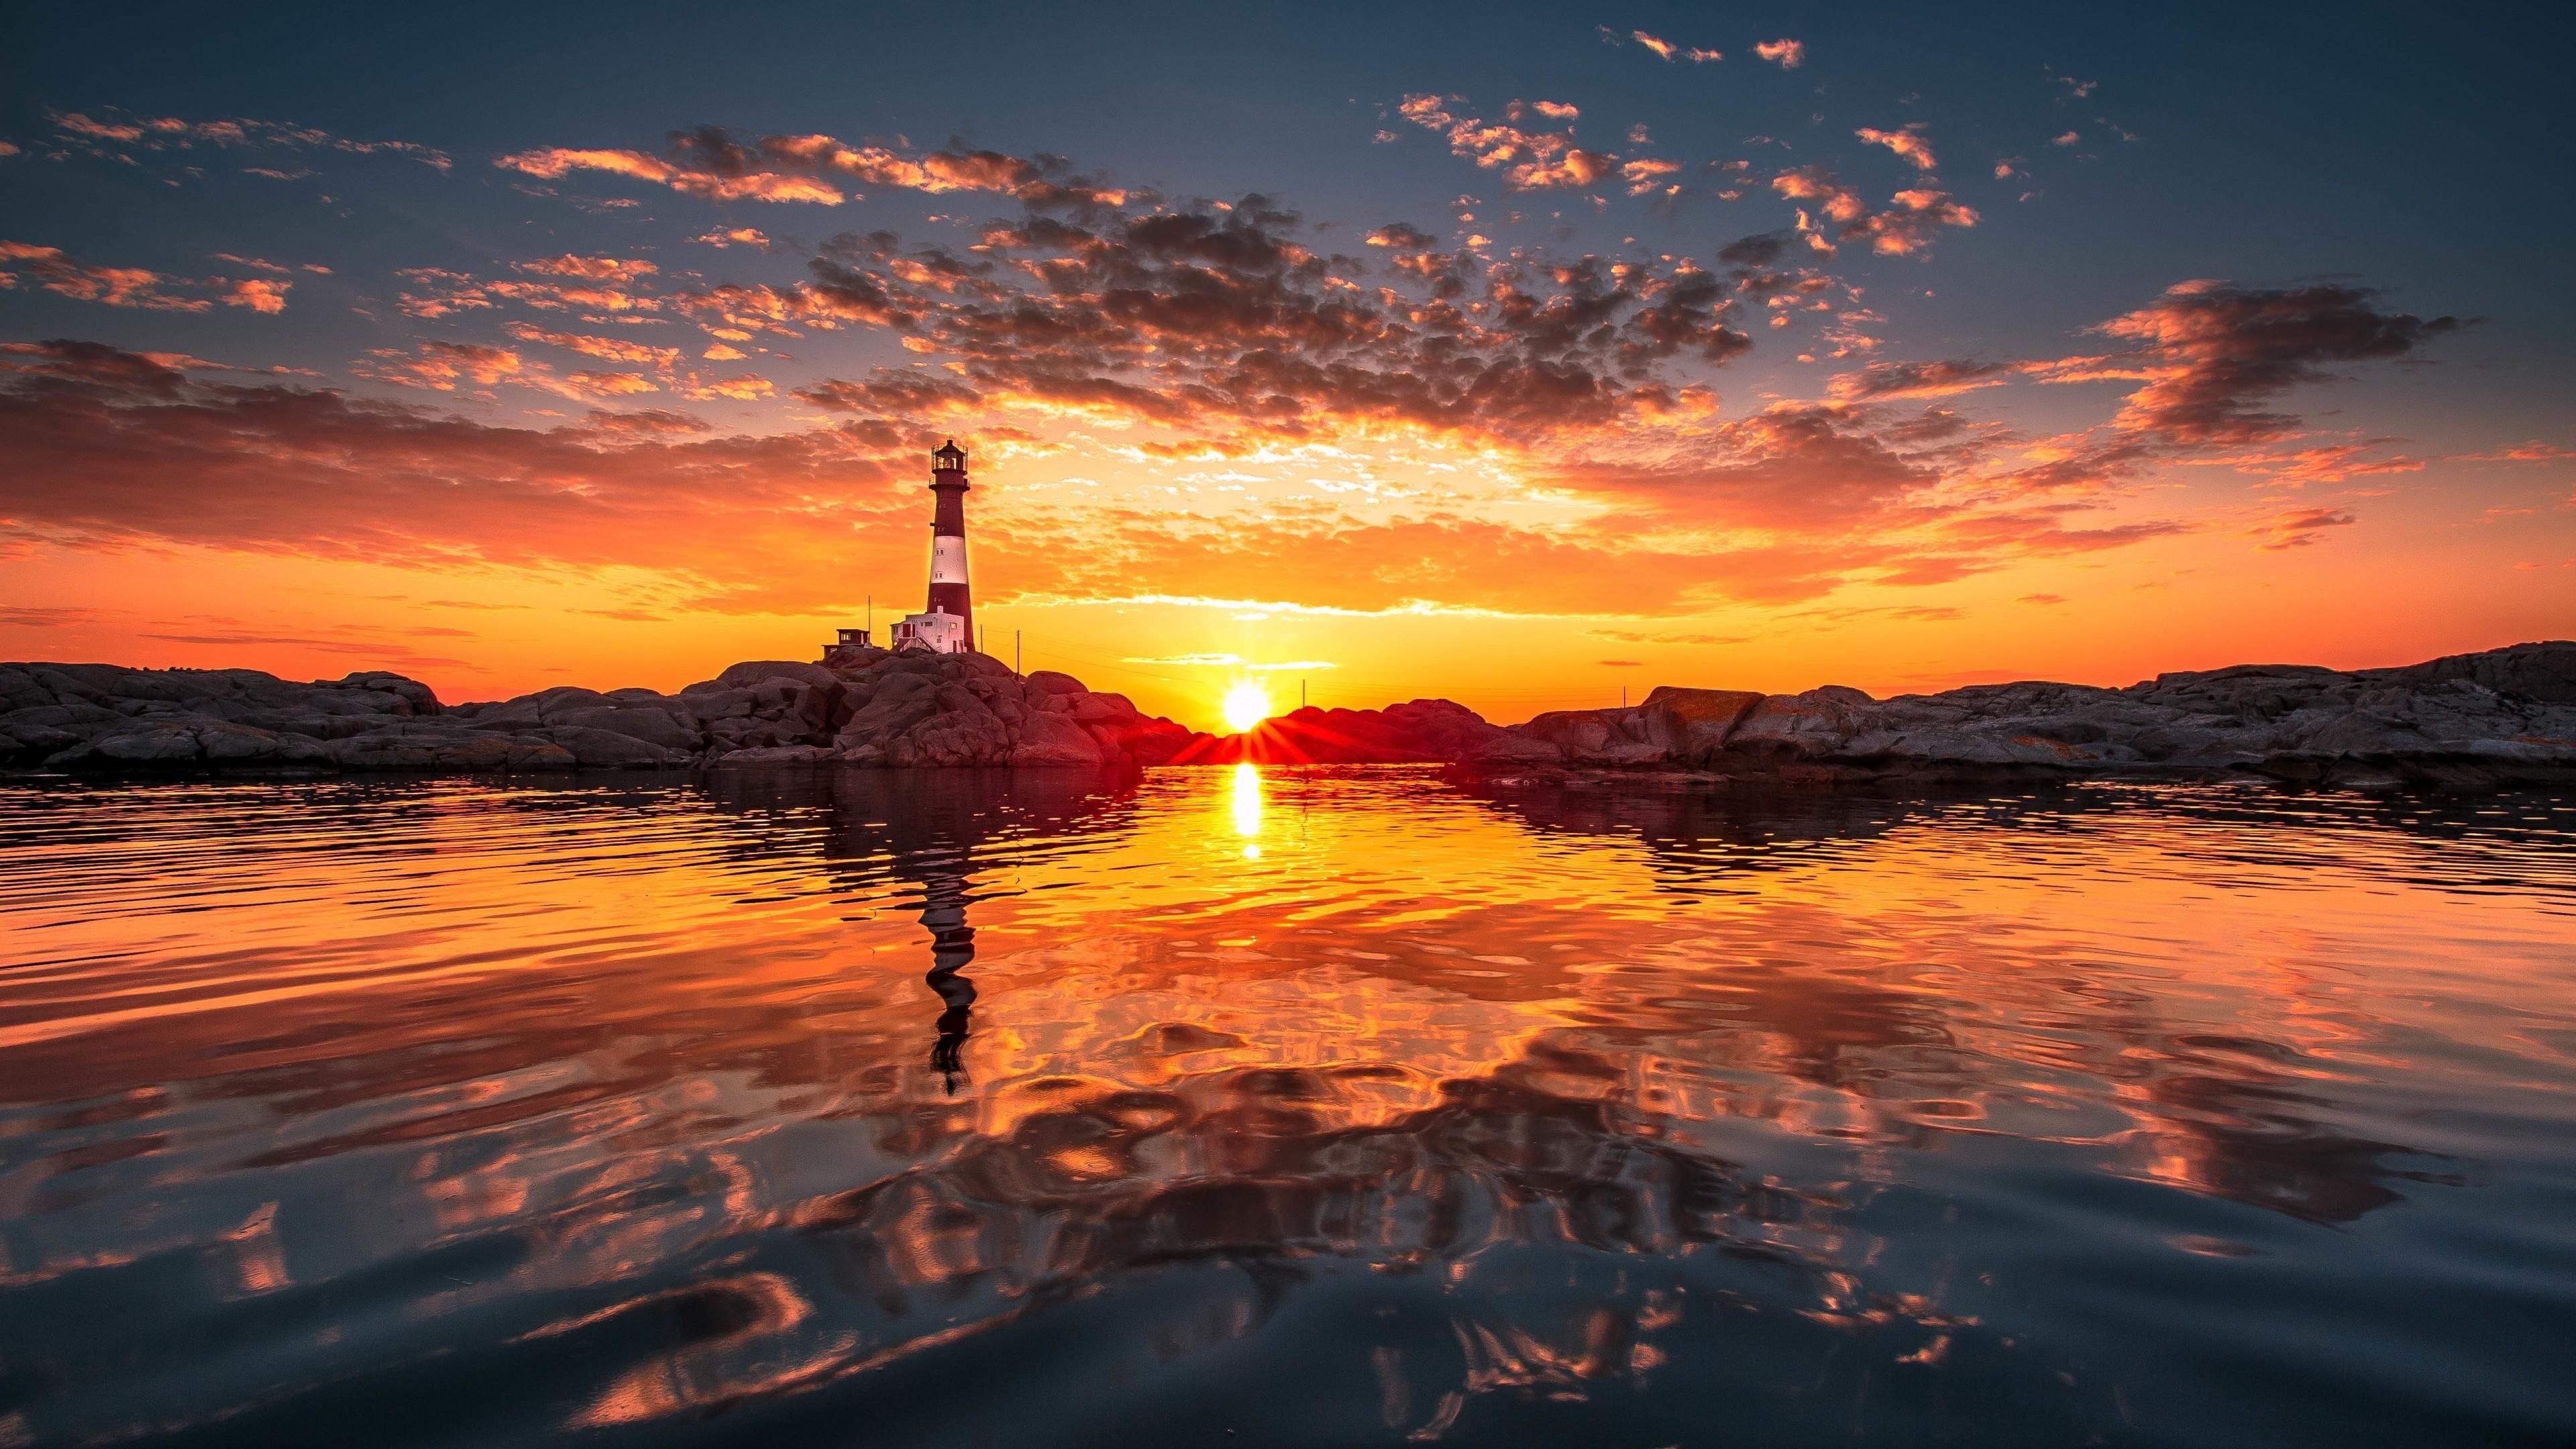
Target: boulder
x=1055, y=739
x=670, y=729
x=2544, y=671
x=757, y=670
x=1047, y=681
x=777, y=755
x=596, y=749
x=1696, y=722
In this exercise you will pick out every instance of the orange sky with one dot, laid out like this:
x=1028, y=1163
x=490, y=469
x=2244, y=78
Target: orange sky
x=1519, y=401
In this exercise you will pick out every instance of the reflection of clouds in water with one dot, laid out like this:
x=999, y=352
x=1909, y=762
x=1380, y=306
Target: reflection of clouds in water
x=1491, y=1069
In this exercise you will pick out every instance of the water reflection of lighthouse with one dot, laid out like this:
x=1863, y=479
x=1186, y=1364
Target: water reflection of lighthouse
x=952, y=946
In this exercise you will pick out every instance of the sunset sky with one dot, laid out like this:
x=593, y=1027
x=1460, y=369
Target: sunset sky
x=1509, y=354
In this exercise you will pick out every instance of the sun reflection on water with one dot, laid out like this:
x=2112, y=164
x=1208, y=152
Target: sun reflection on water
x=1247, y=809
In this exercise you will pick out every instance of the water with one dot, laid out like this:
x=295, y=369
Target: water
x=1311, y=1107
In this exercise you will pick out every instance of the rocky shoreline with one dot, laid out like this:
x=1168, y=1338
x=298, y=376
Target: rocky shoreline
x=2497, y=718
x=866, y=707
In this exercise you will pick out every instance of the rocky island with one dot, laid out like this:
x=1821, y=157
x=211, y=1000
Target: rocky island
x=2501, y=717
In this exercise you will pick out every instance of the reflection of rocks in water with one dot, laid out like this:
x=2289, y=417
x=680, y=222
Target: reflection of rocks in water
x=1563, y=1241
x=909, y=814
x=2230, y=1123
x=1698, y=837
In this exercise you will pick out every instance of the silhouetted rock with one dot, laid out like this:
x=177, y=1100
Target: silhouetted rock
x=1416, y=732
x=2504, y=716
x=867, y=707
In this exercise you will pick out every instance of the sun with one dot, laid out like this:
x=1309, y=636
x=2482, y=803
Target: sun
x=1246, y=705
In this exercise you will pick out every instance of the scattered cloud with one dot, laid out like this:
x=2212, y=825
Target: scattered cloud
x=121, y=133
x=1784, y=53
x=711, y=162
x=38, y=616
x=49, y=269
x=1918, y=379
x=1907, y=141
x=1529, y=159
x=2298, y=528
x=1629, y=636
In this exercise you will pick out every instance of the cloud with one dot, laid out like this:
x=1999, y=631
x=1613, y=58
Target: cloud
x=260, y=294
x=606, y=384
x=607, y=349
x=169, y=133
x=2212, y=352
x=1621, y=663
x=1662, y=48
x=23, y=263
x=441, y=366
x=590, y=284
x=100, y=436
x=1530, y=160
x=713, y=163
x=1629, y=636
x=2065, y=138
x=49, y=268
x=1907, y=141
x=737, y=236
x=595, y=269
x=550, y=162
x=1646, y=173
x=1918, y=379
x=1789, y=504
x=2323, y=463
x=2298, y=528
x=1906, y=228
x=2534, y=451
x=1784, y=53
x=1237, y=661
x=37, y=616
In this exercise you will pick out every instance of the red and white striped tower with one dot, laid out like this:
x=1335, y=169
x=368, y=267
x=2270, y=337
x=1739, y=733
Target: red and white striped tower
x=948, y=592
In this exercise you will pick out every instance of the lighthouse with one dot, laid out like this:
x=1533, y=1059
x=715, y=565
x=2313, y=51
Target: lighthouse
x=947, y=626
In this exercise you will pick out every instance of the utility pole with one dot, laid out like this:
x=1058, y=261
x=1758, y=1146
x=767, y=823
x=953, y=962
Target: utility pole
x=1623, y=696
x=1015, y=652
x=1301, y=694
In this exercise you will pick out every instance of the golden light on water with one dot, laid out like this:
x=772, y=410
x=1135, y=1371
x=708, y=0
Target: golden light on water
x=1247, y=808
x=1246, y=704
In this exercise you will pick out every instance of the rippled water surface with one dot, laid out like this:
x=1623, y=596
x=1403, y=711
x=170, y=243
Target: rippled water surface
x=1307, y=1107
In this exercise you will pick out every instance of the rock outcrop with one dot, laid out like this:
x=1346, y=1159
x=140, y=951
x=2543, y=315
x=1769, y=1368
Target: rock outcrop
x=2500, y=717
x=1417, y=732
x=867, y=707
x=2503, y=716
